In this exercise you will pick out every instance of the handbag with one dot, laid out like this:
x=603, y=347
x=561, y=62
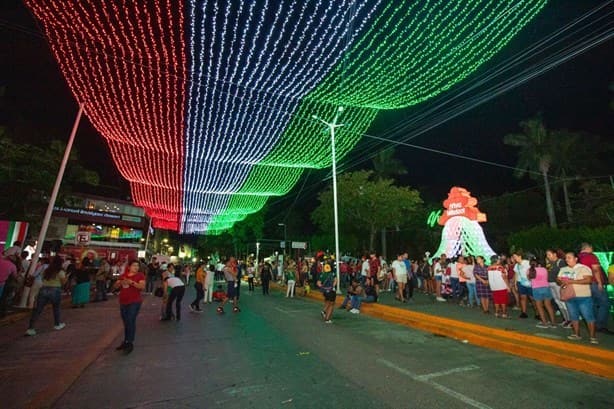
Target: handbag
x=567, y=292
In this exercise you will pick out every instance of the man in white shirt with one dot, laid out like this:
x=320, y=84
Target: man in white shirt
x=399, y=274
x=439, y=270
x=364, y=271
x=176, y=295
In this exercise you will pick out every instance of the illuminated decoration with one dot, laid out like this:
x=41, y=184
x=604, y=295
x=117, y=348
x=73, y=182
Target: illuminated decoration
x=206, y=106
x=462, y=233
x=433, y=218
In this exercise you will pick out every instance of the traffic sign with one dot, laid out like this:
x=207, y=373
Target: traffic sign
x=82, y=238
x=299, y=245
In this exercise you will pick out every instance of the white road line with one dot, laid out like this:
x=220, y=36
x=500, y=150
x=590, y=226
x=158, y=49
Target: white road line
x=427, y=380
x=426, y=377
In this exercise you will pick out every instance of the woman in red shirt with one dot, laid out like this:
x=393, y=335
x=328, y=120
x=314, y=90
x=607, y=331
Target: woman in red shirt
x=131, y=283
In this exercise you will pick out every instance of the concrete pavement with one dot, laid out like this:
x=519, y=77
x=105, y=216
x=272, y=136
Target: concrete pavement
x=275, y=353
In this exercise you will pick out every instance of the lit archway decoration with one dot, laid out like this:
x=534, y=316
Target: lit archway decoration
x=206, y=105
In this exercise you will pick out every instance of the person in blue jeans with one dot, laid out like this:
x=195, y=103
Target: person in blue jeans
x=54, y=279
x=131, y=285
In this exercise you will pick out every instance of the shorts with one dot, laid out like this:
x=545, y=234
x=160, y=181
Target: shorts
x=581, y=306
x=231, y=292
x=402, y=278
x=522, y=290
x=330, y=295
x=438, y=278
x=542, y=293
x=499, y=297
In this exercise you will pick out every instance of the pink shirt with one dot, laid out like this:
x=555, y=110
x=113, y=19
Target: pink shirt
x=541, y=278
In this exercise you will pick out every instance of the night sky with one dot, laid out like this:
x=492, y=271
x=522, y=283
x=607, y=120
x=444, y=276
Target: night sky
x=575, y=95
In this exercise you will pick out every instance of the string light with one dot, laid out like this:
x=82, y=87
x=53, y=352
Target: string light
x=205, y=105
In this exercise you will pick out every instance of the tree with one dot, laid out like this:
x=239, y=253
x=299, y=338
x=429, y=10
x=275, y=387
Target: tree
x=535, y=155
x=27, y=175
x=385, y=166
x=366, y=204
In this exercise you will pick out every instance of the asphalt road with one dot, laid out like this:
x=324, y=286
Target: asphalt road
x=277, y=353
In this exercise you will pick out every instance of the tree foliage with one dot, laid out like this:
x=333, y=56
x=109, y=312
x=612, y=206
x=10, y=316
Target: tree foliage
x=27, y=175
x=366, y=205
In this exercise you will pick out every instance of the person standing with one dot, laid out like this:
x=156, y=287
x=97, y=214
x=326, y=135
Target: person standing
x=250, y=278
x=199, y=285
x=541, y=294
x=53, y=278
x=153, y=271
x=266, y=274
x=579, y=277
x=101, y=280
x=556, y=261
x=467, y=274
x=375, y=266
x=81, y=291
x=209, y=279
x=131, y=283
x=499, y=287
x=438, y=271
x=327, y=282
x=521, y=269
x=291, y=277
x=7, y=269
x=598, y=287
x=231, y=272
x=399, y=275
x=481, y=284
x=176, y=289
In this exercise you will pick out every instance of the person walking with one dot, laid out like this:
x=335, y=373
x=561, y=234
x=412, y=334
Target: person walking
x=177, y=290
x=53, y=279
x=131, y=283
x=199, y=285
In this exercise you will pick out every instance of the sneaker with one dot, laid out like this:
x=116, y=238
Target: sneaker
x=574, y=337
x=355, y=311
x=323, y=314
x=523, y=315
x=191, y=308
x=440, y=299
x=516, y=308
x=31, y=332
x=60, y=326
x=542, y=325
x=220, y=310
x=593, y=341
x=328, y=321
x=567, y=324
x=128, y=348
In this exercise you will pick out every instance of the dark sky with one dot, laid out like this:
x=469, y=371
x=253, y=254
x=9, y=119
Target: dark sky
x=575, y=95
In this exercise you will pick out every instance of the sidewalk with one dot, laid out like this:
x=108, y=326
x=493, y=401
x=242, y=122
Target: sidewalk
x=37, y=370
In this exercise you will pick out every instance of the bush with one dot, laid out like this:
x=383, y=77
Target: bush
x=540, y=238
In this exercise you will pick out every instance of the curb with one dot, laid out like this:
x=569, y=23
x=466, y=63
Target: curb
x=591, y=360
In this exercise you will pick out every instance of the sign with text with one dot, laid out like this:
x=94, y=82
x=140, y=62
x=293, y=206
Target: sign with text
x=299, y=245
x=82, y=238
x=461, y=203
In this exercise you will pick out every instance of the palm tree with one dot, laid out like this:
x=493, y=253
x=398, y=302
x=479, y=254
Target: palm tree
x=535, y=156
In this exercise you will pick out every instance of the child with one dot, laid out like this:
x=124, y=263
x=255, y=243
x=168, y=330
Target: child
x=219, y=294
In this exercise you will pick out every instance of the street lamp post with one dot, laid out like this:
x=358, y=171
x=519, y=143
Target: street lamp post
x=332, y=126
x=285, y=235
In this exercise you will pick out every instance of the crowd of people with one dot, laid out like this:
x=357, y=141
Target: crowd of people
x=566, y=284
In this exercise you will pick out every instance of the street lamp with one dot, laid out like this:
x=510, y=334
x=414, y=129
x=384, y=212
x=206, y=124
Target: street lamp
x=331, y=127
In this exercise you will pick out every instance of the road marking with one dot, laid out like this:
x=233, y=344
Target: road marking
x=426, y=377
x=427, y=380
x=290, y=311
